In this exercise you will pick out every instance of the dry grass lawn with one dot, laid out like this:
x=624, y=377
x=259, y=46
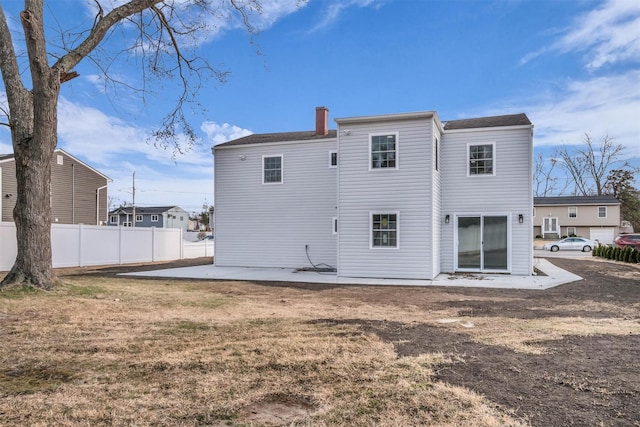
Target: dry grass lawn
x=122, y=351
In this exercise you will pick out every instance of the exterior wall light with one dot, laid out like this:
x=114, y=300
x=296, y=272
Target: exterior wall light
x=447, y=218
x=521, y=218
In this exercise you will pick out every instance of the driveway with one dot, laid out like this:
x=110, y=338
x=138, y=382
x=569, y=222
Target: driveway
x=541, y=253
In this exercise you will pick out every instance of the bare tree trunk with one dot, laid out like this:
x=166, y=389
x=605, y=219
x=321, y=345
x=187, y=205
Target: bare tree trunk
x=33, y=150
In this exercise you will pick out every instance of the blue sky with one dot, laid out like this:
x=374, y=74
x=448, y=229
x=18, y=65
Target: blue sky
x=571, y=66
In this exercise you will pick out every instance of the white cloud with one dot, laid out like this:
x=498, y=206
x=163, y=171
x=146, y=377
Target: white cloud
x=608, y=35
x=162, y=187
x=217, y=134
x=335, y=9
x=599, y=105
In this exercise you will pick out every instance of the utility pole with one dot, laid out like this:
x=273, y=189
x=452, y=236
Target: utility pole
x=133, y=220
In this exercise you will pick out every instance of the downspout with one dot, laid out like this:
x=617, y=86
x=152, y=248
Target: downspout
x=98, y=205
x=73, y=193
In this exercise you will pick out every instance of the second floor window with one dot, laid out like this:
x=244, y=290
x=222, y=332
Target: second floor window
x=333, y=159
x=573, y=212
x=481, y=159
x=384, y=151
x=271, y=169
x=602, y=211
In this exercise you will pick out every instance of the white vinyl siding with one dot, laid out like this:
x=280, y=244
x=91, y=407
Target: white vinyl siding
x=407, y=190
x=269, y=225
x=508, y=192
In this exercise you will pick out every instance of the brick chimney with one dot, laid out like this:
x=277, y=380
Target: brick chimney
x=322, y=121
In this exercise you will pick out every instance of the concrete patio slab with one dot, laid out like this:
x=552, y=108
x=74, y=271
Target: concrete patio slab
x=554, y=276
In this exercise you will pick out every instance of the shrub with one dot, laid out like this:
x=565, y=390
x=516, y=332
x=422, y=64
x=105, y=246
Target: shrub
x=609, y=252
x=538, y=236
x=596, y=251
x=615, y=254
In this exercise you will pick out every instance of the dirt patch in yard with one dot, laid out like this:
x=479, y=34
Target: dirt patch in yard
x=581, y=380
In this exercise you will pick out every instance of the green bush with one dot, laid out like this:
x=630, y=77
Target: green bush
x=627, y=254
x=616, y=254
x=609, y=252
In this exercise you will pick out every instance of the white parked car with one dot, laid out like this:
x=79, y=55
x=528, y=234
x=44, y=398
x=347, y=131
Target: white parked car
x=571, y=244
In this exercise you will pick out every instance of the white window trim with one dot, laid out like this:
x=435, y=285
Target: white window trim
x=111, y=217
x=331, y=153
x=468, y=159
x=127, y=224
x=334, y=225
x=154, y=218
x=397, y=135
x=569, y=212
x=139, y=216
x=569, y=233
x=397, y=214
x=281, y=169
x=606, y=212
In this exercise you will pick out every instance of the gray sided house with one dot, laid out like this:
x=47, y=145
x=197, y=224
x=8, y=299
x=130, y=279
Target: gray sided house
x=152, y=216
x=391, y=196
x=78, y=191
x=593, y=217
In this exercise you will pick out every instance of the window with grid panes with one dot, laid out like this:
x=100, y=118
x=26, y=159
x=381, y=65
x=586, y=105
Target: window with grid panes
x=384, y=229
x=384, y=151
x=481, y=159
x=271, y=169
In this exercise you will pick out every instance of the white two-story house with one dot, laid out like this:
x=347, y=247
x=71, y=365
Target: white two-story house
x=390, y=196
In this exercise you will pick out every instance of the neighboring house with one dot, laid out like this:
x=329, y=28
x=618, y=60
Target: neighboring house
x=593, y=217
x=78, y=191
x=153, y=216
x=389, y=196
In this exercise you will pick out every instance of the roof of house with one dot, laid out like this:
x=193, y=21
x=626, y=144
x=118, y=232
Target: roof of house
x=259, y=138
x=576, y=200
x=480, y=122
x=143, y=210
x=4, y=157
x=489, y=122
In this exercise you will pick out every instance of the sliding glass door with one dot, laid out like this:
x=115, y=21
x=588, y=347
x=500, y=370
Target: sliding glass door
x=482, y=243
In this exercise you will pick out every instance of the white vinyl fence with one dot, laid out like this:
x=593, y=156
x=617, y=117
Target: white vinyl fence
x=80, y=245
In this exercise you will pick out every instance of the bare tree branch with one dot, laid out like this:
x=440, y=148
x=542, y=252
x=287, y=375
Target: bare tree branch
x=545, y=181
x=589, y=165
x=100, y=28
